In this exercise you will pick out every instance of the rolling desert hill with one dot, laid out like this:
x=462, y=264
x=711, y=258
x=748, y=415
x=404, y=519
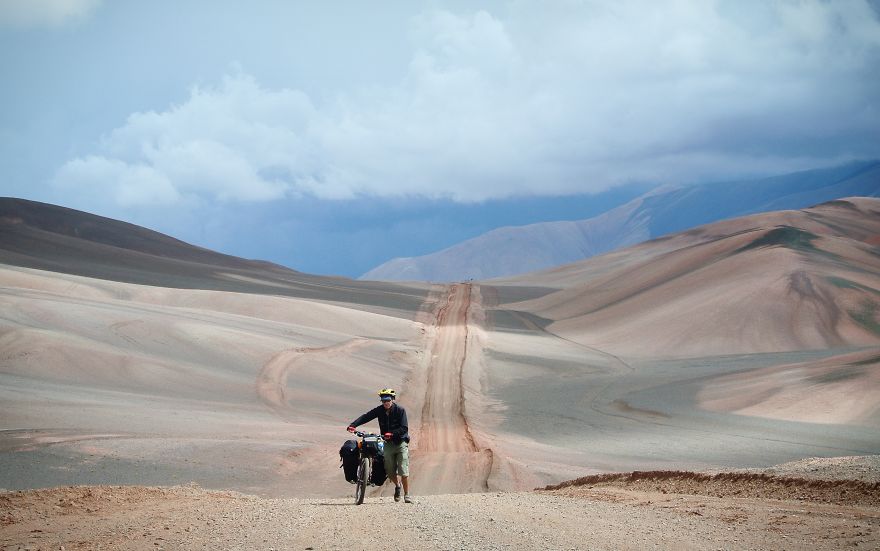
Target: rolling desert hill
x=787, y=280
x=668, y=209
x=767, y=317
x=53, y=238
x=127, y=355
x=747, y=343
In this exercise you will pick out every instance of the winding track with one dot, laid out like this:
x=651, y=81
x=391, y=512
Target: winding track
x=272, y=380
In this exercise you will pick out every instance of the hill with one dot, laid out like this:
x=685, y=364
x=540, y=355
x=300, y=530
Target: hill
x=787, y=280
x=668, y=209
x=127, y=355
x=773, y=316
x=743, y=344
x=57, y=239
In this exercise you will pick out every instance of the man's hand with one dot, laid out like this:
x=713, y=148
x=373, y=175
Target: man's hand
x=350, y=428
x=387, y=436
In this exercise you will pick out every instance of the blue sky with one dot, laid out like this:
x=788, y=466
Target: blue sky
x=331, y=137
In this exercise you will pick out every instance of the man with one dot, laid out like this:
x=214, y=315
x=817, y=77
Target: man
x=395, y=431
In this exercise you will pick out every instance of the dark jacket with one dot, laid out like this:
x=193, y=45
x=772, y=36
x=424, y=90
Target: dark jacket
x=394, y=422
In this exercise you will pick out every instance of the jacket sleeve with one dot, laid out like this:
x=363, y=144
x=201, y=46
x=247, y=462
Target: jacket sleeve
x=403, y=430
x=365, y=418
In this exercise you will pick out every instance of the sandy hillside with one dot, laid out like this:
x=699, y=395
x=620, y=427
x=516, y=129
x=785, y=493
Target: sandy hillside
x=102, y=377
x=791, y=280
x=772, y=318
x=614, y=365
x=112, y=382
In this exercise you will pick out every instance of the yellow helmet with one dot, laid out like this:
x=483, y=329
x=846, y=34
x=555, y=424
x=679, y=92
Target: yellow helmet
x=387, y=392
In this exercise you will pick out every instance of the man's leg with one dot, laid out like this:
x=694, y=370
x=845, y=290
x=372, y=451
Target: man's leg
x=391, y=453
x=404, y=470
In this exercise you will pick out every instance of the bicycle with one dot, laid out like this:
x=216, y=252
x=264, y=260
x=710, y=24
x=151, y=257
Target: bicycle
x=370, y=447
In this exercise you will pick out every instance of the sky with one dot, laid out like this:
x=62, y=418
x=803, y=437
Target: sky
x=331, y=137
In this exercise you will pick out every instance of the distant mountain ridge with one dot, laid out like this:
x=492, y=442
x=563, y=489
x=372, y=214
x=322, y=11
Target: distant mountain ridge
x=515, y=250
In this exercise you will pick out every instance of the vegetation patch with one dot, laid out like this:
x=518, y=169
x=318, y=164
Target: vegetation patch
x=784, y=236
x=867, y=361
x=542, y=362
x=847, y=284
x=850, y=371
x=839, y=203
x=866, y=316
x=516, y=321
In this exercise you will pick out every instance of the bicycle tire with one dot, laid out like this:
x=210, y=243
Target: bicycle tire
x=363, y=478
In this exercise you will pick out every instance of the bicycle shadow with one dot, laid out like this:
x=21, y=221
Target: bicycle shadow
x=380, y=503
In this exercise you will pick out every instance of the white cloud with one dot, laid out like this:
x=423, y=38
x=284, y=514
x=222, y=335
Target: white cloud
x=121, y=183
x=237, y=142
x=553, y=98
x=44, y=13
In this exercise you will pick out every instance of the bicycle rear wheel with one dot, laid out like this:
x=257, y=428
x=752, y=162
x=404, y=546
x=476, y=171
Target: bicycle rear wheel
x=363, y=477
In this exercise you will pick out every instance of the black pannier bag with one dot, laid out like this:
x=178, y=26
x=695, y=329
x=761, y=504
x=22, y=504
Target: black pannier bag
x=371, y=446
x=349, y=455
x=377, y=477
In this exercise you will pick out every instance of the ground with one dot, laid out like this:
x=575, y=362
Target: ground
x=664, y=512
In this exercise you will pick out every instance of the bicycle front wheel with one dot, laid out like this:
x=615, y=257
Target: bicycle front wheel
x=363, y=477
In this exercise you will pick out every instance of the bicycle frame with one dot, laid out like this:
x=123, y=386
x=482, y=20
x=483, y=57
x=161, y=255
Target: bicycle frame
x=369, y=446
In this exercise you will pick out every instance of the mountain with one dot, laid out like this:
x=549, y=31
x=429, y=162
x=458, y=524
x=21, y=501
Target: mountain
x=53, y=238
x=668, y=209
x=772, y=282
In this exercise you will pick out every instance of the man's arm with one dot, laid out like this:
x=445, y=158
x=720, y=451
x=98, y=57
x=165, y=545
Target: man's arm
x=365, y=418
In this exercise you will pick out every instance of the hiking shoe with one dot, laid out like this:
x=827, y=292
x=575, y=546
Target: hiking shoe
x=407, y=499
x=397, y=493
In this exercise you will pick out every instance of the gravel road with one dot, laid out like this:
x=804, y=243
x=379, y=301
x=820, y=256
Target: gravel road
x=615, y=516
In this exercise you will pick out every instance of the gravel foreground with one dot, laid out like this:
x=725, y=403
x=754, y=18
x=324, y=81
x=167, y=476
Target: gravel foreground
x=634, y=511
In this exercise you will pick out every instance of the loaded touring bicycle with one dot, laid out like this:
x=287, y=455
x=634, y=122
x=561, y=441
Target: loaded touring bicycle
x=363, y=462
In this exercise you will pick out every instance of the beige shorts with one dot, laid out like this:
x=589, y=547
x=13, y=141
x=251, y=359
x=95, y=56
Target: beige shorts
x=397, y=459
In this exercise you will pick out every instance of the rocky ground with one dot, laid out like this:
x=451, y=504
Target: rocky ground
x=628, y=511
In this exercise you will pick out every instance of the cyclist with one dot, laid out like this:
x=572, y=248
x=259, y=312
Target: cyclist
x=395, y=431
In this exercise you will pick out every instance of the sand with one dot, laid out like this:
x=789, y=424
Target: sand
x=125, y=384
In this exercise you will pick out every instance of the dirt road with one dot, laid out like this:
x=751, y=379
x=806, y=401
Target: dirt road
x=445, y=455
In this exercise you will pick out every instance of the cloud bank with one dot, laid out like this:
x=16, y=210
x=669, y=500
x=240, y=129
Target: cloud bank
x=555, y=98
x=44, y=13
